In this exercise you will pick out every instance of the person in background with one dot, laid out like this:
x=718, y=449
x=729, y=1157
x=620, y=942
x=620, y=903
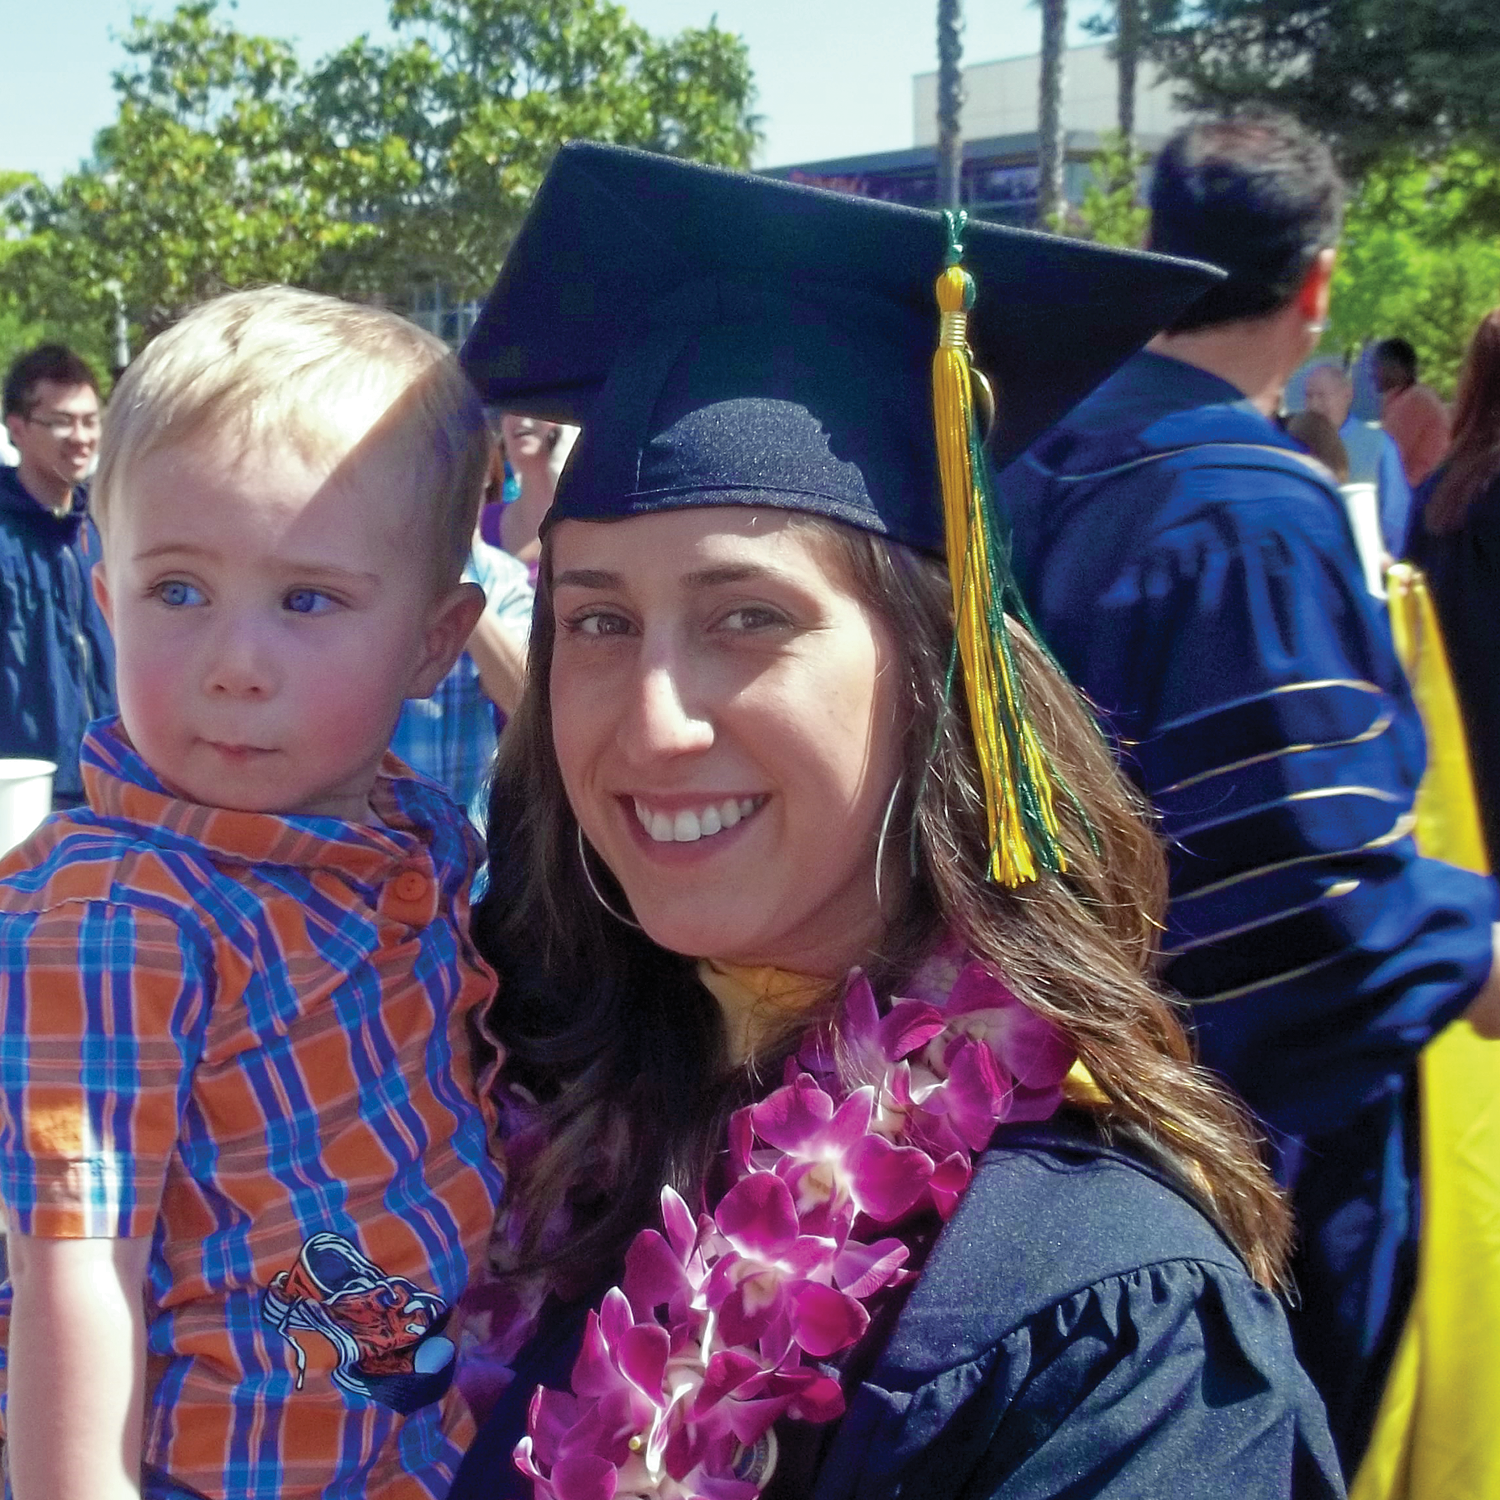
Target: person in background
x=451, y=735
x=764, y=955
x=1321, y=438
x=241, y=1145
x=536, y=451
x=1456, y=539
x=1410, y=412
x=500, y=487
x=1373, y=456
x=56, y=656
x=1197, y=578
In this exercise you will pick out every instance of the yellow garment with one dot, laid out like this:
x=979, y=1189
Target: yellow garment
x=1435, y=1435
x=779, y=988
x=1080, y=1090
x=763, y=999
x=1448, y=824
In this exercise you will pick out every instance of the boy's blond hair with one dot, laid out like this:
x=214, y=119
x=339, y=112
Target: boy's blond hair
x=281, y=366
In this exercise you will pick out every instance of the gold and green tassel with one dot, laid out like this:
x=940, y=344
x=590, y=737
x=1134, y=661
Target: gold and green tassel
x=1018, y=785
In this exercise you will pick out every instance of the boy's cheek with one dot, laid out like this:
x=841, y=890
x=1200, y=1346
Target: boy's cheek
x=99, y=582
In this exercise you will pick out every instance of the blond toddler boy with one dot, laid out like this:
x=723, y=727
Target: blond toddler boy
x=243, y=1165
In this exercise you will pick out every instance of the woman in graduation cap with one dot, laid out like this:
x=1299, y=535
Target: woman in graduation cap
x=851, y=1150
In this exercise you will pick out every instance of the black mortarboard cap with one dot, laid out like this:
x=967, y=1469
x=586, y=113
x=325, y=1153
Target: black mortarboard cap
x=731, y=339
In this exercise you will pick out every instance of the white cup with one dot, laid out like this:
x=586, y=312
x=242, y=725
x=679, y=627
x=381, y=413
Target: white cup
x=25, y=798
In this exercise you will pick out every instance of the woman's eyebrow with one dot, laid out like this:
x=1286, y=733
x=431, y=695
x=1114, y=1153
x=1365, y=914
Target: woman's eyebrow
x=587, y=578
x=703, y=578
x=708, y=578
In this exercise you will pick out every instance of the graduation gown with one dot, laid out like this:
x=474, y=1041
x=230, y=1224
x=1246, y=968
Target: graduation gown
x=1079, y=1329
x=1197, y=578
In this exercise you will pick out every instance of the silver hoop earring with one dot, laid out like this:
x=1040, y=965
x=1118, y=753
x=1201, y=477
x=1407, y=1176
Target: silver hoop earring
x=885, y=826
x=588, y=875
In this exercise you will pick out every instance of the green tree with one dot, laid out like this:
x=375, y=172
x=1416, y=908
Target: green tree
x=196, y=186
x=1127, y=50
x=1125, y=23
x=18, y=329
x=950, y=151
x=228, y=164
x=478, y=95
x=1112, y=212
x=1412, y=261
x=1369, y=75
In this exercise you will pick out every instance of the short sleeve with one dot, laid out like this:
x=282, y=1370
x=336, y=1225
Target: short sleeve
x=102, y=1007
x=1177, y=1378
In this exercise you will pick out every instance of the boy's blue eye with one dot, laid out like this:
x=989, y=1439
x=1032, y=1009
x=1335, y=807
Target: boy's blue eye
x=307, y=602
x=176, y=594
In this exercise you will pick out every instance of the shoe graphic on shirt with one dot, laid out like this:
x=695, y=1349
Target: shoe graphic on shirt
x=387, y=1332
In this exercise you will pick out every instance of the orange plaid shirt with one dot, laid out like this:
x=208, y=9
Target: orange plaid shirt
x=248, y=1035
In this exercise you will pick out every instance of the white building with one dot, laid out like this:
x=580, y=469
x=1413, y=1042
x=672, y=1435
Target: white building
x=1001, y=98
x=1000, y=141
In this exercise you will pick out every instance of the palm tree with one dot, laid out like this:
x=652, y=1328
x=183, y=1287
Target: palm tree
x=1127, y=55
x=950, y=102
x=1049, y=114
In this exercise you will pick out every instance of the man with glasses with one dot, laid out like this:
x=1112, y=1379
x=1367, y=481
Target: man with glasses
x=56, y=658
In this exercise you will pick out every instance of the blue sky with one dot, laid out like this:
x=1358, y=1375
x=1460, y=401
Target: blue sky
x=834, y=75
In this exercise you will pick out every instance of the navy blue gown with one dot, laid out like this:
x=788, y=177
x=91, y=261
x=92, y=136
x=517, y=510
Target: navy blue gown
x=1079, y=1329
x=1196, y=577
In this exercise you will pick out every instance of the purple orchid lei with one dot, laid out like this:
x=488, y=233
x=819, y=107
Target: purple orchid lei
x=711, y=1336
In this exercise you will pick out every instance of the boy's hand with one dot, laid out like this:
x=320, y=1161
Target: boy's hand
x=77, y=1364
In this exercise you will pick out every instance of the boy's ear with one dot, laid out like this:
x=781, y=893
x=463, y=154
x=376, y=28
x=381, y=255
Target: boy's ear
x=450, y=622
x=99, y=582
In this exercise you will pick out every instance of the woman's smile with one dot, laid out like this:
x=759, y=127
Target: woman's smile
x=700, y=820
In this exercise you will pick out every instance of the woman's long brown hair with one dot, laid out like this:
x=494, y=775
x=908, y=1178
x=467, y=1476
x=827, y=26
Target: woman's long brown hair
x=1474, y=455
x=624, y=1048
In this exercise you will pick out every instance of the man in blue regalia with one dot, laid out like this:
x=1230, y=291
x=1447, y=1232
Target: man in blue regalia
x=1195, y=573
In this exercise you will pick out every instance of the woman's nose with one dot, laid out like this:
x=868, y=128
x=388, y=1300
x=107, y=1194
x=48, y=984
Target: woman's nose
x=666, y=717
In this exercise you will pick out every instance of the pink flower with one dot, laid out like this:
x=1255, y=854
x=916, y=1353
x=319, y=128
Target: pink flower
x=938, y=972
x=773, y=1273
x=667, y=1270
x=992, y=1059
x=831, y=1162
x=1026, y=1046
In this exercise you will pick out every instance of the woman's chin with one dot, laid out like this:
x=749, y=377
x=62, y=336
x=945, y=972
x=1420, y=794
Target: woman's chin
x=694, y=936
